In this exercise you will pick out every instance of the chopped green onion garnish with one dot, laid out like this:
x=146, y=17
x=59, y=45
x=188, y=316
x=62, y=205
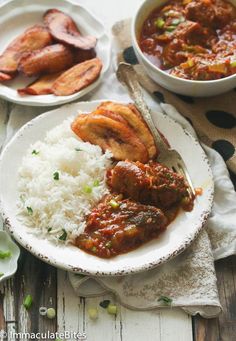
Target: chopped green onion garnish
x=43, y=311
x=78, y=149
x=63, y=236
x=108, y=244
x=56, y=176
x=28, y=302
x=35, y=152
x=113, y=203
x=112, y=309
x=159, y=23
x=88, y=189
x=170, y=28
x=5, y=254
x=22, y=198
x=171, y=13
x=190, y=62
x=93, y=313
x=96, y=183
x=29, y=210
x=1, y=274
x=49, y=229
x=166, y=300
x=94, y=249
x=51, y=313
x=175, y=21
x=104, y=304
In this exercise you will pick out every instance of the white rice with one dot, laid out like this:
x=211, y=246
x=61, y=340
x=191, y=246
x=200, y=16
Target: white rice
x=56, y=207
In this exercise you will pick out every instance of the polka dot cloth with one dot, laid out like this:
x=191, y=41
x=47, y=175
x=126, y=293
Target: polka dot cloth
x=129, y=56
x=214, y=119
x=225, y=148
x=221, y=119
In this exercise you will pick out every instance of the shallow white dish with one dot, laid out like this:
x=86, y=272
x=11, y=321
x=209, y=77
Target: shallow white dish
x=178, y=85
x=174, y=240
x=15, y=18
x=8, y=266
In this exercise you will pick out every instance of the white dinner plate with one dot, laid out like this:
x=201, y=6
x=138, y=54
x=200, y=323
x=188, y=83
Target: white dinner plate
x=179, y=234
x=16, y=16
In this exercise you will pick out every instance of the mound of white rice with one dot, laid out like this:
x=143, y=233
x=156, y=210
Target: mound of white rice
x=60, y=180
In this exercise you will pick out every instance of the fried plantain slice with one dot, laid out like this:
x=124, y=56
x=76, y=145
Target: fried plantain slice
x=134, y=119
x=42, y=86
x=63, y=28
x=34, y=38
x=77, y=77
x=5, y=77
x=111, y=135
x=50, y=59
x=111, y=114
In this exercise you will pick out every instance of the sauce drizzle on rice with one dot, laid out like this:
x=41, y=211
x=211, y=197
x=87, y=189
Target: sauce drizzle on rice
x=60, y=180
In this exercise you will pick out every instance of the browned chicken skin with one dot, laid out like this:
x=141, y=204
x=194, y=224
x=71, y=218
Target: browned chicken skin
x=64, y=29
x=217, y=15
x=151, y=183
x=32, y=39
x=121, y=228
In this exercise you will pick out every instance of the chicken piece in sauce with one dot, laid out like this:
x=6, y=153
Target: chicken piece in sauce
x=117, y=226
x=151, y=183
x=214, y=13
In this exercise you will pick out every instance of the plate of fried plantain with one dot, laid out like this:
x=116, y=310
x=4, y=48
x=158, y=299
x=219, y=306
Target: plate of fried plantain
x=51, y=53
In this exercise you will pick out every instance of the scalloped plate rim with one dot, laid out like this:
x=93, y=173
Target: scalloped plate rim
x=51, y=100
x=128, y=269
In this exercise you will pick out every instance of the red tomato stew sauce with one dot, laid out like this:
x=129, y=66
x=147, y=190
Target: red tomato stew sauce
x=193, y=40
x=144, y=199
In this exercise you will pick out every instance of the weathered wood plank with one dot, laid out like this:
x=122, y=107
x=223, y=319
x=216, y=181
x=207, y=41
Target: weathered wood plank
x=175, y=325
x=223, y=328
x=4, y=116
x=165, y=325
x=73, y=314
x=39, y=280
x=106, y=327
x=2, y=317
x=32, y=275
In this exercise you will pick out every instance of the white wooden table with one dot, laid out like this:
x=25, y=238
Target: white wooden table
x=50, y=287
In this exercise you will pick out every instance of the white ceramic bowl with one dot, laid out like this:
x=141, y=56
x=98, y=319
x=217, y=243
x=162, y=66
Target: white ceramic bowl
x=8, y=266
x=175, y=84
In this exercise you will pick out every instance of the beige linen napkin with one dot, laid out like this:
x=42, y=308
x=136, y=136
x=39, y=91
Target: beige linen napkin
x=189, y=279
